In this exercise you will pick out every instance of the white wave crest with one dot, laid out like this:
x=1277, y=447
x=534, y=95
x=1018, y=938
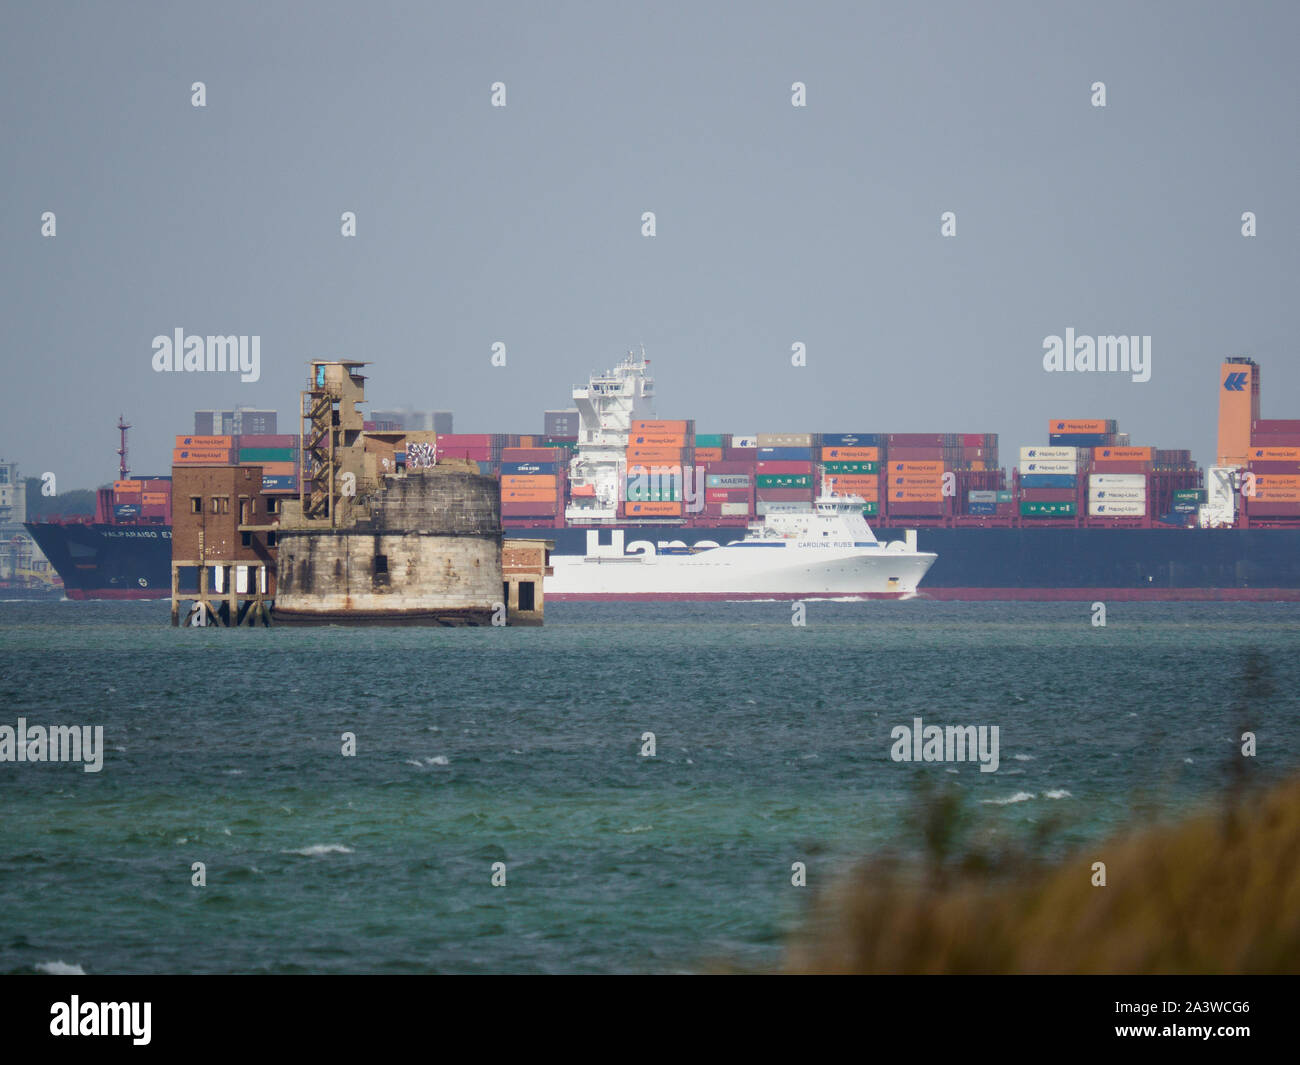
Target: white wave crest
x=320, y=848
x=1020, y=796
x=59, y=968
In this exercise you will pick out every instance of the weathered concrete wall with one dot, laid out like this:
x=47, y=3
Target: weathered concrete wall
x=431, y=552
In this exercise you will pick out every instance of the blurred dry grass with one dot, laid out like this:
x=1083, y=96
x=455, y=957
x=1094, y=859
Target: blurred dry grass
x=1217, y=893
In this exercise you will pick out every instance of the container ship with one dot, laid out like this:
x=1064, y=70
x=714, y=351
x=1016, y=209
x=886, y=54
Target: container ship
x=1084, y=513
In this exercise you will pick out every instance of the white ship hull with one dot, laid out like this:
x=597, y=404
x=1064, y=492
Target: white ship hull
x=744, y=570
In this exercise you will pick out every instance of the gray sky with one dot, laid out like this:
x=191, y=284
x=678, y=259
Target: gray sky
x=523, y=225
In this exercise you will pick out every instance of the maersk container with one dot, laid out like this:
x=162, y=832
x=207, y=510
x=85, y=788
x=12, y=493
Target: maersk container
x=1048, y=480
x=851, y=467
x=981, y=508
x=726, y=480
x=1068, y=466
x=1123, y=509
x=1046, y=510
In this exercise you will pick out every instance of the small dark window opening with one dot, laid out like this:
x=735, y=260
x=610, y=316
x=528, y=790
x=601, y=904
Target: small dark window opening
x=381, y=564
x=526, y=601
x=196, y=504
x=246, y=539
x=270, y=539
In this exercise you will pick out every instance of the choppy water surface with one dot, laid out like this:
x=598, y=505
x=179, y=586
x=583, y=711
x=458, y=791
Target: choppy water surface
x=522, y=746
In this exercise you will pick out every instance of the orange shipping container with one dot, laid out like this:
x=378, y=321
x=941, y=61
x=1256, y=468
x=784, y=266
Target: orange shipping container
x=224, y=442
x=525, y=481
x=155, y=499
x=1089, y=426
x=639, y=426
x=677, y=440
x=126, y=488
x=913, y=469
x=1273, y=481
x=919, y=480
x=528, y=495
x=850, y=454
x=657, y=510
x=915, y=495
x=277, y=469
x=1267, y=454
x=201, y=456
x=1121, y=454
x=866, y=486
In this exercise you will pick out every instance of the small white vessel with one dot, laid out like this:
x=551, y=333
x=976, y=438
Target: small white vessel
x=828, y=550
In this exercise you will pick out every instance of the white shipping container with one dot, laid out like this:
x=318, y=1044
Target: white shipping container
x=734, y=508
x=1107, y=509
x=1049, y=454
x=1049, y=466
x=1118, y=495
x=976, y=496
x=1117, y=480
x=762, y=508
x=783, y=440
x=745, y=440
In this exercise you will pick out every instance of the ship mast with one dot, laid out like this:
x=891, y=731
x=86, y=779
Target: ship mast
x=122, y=427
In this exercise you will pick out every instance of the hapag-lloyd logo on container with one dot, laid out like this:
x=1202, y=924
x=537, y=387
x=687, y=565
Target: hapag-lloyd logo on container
x=196, y=354
x=1108, y=354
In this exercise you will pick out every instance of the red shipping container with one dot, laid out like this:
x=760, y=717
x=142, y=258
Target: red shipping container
x=905, y=510
x=1275, y=467
x=529, y=454
x=1275, y=439
x=972, y=440
x=785, y=467
x=281, y=440
x=1258, y=508
x=465, y=439
x=914, y=440
x=740, y=454
x=784, y=495
x=728, y=467
x=1276, y=425
x=726, y=495
x=1129, y=466
x=914, y=454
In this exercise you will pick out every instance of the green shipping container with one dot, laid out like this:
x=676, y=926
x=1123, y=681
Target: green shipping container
x=785, y=480
x=268, y=454
x=709, y=440
x=1006, y=497
x=1046, y=510
x=852, y=467
x=1190, y=495
x=870, y=510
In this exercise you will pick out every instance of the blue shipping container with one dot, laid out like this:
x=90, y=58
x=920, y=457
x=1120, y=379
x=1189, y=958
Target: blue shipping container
x=1079, y=439
x=125, y=511
x=784, y=454
x=1048, y=480
x=981, y=508
x=850, y=439
x=280, y=484
x=516, y=469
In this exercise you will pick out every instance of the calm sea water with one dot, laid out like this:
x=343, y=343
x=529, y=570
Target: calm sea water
x=522, y=746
